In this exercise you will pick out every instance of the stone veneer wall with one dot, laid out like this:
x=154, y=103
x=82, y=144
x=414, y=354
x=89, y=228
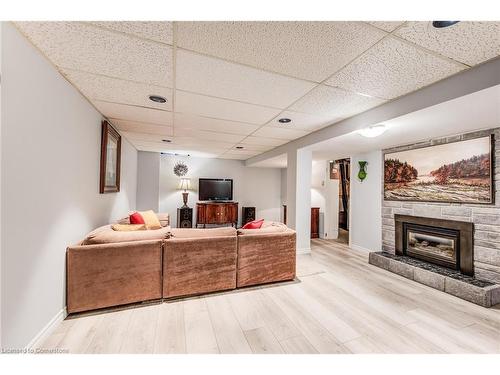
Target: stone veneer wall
x=486, y=218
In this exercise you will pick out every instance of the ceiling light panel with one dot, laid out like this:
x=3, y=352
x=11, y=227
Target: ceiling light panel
x=468, y=42
x=141, y=127
x=221, y=108
x=117, y=90
x=334, y=102
x=215, y=77
x=81, y=46
x=133, y=113
x=308, y=50
x=393, y=68
x=158, y=31
x=183, y=120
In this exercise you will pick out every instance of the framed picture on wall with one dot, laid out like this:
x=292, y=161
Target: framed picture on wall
x=457, y=172
x=110, y=159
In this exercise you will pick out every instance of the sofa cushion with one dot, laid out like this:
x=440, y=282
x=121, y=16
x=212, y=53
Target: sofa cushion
x=256, y=224
x=203, y=233
x=150, y=219
x=106, y=234
x=164, y=219
x=266, y=228
x=136, y=218
x=128, y=227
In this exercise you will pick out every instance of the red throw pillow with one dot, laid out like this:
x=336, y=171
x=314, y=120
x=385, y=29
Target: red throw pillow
x=256, y=224
x=136, y=218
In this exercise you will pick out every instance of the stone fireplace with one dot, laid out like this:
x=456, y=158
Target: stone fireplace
x=485, y=218
x=446, y=243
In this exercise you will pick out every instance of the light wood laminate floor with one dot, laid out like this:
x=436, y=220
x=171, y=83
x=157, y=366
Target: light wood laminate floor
x=341, y=305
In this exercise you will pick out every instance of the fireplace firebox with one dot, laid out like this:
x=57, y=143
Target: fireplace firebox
x=447, y=243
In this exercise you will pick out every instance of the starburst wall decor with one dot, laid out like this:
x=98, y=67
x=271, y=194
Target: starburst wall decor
x=180, y=169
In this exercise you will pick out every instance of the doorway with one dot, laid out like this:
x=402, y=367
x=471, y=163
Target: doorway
x=342, y=168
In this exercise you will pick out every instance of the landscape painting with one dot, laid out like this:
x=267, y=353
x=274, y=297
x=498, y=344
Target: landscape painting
x=458, y=172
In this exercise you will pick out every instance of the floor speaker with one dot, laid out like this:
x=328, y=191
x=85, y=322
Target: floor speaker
x=184, y=217
x=248, y=215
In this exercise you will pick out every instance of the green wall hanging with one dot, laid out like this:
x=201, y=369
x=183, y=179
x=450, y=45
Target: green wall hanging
x=362, y=170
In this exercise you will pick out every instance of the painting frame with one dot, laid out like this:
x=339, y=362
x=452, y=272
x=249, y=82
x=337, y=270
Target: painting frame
x=110, y=140
x=491, y=179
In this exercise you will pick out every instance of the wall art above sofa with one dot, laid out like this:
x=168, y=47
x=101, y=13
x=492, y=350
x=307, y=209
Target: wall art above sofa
x=457, y=172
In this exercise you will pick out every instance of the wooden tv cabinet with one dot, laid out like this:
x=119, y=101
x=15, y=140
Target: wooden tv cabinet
x=216, y=213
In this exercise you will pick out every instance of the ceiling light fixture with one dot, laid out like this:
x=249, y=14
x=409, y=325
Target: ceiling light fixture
x=239, y=147
x=157, y=99
x=442, y=24
x=284, y=120
x=166, y=140
x=373, y=131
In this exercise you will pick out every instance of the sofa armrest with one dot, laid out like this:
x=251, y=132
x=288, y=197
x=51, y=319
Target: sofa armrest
x=107, y=275
x=265, y=258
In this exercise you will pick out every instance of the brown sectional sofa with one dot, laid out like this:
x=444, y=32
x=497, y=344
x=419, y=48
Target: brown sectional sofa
x=111, y=268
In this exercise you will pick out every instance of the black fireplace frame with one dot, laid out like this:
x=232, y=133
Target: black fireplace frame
x=464, y=232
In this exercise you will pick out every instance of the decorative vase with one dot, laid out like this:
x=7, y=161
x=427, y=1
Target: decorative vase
x=362, y=170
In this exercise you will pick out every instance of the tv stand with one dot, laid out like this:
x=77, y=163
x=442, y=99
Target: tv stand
x=218, y=213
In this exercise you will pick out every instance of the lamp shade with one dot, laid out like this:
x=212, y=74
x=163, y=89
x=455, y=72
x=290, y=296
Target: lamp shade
x=185, y=184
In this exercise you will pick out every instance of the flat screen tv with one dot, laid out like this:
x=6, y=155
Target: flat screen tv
x=215, y=189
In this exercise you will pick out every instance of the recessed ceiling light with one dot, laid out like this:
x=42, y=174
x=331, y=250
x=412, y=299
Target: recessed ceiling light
x=284, y=120
x=239, y=147
x=166, y=140
x=157, y=99
x=441, y=24
x=373, y=131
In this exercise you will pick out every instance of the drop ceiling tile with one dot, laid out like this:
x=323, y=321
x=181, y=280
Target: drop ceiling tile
x=393, y=68
x=334, y=102
x=308, y=50
x=279, y=133
x=140, y=127
x=208, y=135
x=264, y=141
x=468, y=42
x=233, y=157
x=139, y=136
x=134, y=113
x=177, y=143
x=158, y=31
x=240, y=154
x=83, y=47
x=183, y=120
x=178, y=151
x=116, y=90
x=250, y=147
x=215, y=77
x=303, y=121
x=386, y=25
x=221, y=108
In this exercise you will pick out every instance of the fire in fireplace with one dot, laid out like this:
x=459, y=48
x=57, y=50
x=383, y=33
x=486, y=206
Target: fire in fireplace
x=447, y=243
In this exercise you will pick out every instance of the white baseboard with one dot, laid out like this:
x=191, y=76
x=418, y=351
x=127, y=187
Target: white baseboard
x=48, y=329
x=360, y=248
x=304, y=250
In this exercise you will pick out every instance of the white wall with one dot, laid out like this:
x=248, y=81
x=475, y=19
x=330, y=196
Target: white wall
x=318, y=192
x=366, y=203
x=50, y=197
x=325, y=195
x=255, y=187
x=148, y=181
x=283, y=194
